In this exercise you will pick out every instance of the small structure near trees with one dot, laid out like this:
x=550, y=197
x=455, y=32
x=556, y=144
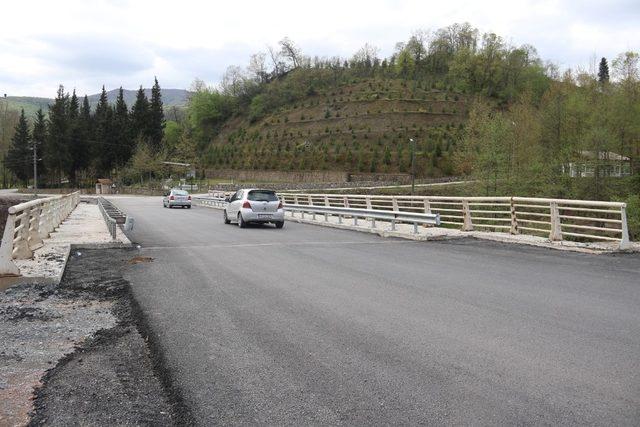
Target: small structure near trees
x=104, y=186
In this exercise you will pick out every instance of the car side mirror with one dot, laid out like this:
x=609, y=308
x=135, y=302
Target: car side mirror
x=227, y=199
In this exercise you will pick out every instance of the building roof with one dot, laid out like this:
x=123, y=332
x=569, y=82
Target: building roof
x=104, y=181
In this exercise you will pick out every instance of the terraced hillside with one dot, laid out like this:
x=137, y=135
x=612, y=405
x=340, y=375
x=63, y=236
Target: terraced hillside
x=363, y=125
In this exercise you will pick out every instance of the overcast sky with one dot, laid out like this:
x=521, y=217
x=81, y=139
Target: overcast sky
x=84, y=44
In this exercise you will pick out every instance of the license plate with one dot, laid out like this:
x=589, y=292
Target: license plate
x=264, y=215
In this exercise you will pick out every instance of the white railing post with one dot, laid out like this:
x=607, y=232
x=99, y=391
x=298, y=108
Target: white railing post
x=625, y=243
x=22, y=250
x=326, y=200
x=514, y=219
x=394, y=203
x=309, y=200
x=346, y=201
x=466, y=215
x=556, y=230
x=368, y=201
x=427, y=206
x=35, y=241
x=7, y=266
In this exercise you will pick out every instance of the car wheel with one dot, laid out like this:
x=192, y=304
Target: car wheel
x=189, y=207
x=226, y=219
x=241, y=222
x=279, y=224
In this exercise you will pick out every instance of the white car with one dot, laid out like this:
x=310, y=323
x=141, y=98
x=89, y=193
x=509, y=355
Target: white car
x=254, y=206
x=175, y=198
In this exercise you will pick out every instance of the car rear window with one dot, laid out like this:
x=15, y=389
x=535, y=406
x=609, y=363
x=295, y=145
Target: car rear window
x=180, y=193
x=262, y=196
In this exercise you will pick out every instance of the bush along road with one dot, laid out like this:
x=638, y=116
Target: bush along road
x=91, y=336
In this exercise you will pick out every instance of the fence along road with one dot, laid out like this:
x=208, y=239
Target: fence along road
x=556, y=218
x=316, y=325
x=28, y=224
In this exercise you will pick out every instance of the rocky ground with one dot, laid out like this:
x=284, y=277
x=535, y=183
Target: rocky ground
x=80, y=352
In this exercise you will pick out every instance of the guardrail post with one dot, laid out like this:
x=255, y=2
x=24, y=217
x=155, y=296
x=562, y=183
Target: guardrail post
x=368, y=201
x=373, y=222
x=394, y=203
x=355, y=220
x=556, y=230
x=346, y=201
x=326, y=200
x=415, y=228
x=393, y=224
x=295, y=199
x=466, y=215
x=7, y=266
x=514, y=219
x=624, y=240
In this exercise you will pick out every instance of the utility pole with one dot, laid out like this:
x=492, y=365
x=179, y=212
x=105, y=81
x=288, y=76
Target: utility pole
x=35, y=168
x=413, y=165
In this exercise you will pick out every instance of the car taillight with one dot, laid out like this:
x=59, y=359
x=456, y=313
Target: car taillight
x=172, y=197
x=280, y=205
x=189, y=198
x=246, y=205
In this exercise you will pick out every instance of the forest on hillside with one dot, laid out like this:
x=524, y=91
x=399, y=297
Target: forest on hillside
x=474, y=105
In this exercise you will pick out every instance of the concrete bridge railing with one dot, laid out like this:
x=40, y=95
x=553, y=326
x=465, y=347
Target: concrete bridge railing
x=28, y=224
x=553, y=218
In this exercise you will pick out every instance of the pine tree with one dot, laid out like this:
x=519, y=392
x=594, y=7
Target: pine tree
x=19, y=157
x=57, y=153
x=103, y=152
x=75, y=137
x=603, y=72
x=139, y=116
x=155, y=129
x=84, y=148
x=38, y=138
x=122, y=131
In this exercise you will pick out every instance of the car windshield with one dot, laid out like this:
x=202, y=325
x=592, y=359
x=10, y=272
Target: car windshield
x=180, y=193
x=262, y=196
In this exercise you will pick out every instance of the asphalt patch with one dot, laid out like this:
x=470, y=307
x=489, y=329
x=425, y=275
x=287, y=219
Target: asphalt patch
x=140, y=260
x=117, y=377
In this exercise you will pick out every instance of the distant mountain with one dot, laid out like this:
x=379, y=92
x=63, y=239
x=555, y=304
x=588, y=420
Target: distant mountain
x=170, y=98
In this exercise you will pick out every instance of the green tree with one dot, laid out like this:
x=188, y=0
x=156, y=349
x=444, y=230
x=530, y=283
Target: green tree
x=105, y=145
x=57, y=151
x=603, y=71
x=19, y=156
x=38, y=138
x=122, y=132
x=155, y=124
x=139, y=116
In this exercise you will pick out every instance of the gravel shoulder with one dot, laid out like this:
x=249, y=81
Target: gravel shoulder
x=79, y=353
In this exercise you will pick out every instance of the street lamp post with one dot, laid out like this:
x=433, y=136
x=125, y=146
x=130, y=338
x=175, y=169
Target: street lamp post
x=413, y=165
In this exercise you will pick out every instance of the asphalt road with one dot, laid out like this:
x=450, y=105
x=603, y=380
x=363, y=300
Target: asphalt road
x=311, y=325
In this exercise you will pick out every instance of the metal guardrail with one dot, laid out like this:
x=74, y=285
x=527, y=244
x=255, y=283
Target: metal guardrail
x=213, y=202
x=112, y=224
x=372, y=215
x=553, y=218
x=28, y=224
